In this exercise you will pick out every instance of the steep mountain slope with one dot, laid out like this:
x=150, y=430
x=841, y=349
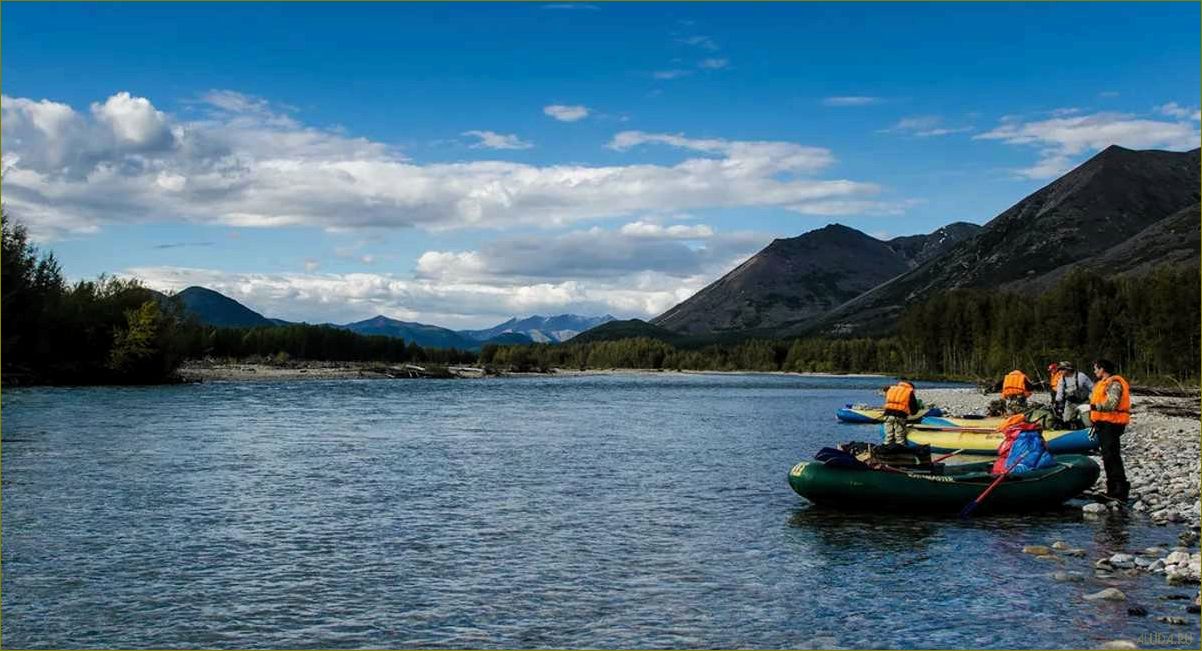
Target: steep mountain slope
x=1099, y=205
x=541, y=328
x=1175, y=240
x=802, y=277
x=216, y=309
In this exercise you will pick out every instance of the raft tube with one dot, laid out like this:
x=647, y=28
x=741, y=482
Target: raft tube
x=947, y=491
x=983, y=439
x=868, y=415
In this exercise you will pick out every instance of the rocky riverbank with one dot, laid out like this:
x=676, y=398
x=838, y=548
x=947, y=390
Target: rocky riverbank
x=1161, y=453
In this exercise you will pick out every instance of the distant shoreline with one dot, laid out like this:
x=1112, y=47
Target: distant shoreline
x=235, y=372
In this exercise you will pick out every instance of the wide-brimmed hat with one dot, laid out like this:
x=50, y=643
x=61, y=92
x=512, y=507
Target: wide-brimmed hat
x=1066, y=365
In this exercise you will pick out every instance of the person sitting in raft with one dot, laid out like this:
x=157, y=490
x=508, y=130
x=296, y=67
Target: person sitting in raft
x=1016, y=388
x=1071, y=398
x=900, y=404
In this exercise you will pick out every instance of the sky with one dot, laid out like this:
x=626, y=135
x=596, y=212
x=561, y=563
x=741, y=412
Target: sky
x=459, y=164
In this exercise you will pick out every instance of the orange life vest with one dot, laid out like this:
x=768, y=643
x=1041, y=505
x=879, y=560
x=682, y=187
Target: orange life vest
x=1015, y=385
x=898, y=397
x=1122, y=413
x=1056, y=378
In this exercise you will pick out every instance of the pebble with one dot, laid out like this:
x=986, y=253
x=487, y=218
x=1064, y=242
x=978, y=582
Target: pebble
x=1074, y=552
x=1069, y=577
x=1137, y=611
x=1109, y=594
x=1172, y=619
x=1118, y=644
x=1153, y=551
x=1060, y=545
x=1094, y=508
x=1037, y=550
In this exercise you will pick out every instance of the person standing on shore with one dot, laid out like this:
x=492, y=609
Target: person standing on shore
x=900, y=404
x=1110, y=411
x=1071, y=393
x=1016, y=388
x=1055, y=374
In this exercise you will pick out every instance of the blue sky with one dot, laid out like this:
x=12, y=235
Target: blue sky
x=458, y=164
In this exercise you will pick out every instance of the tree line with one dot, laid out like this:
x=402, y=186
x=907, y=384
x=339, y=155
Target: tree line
x=115, y=331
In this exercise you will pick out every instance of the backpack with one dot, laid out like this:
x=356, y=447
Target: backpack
x=1023, y=450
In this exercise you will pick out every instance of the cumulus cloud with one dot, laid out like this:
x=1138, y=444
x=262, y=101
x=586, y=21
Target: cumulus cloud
x=1063, y=140
x=250, y=166
x=851, y=100
x=494, y=140
x=641, y=269
x=565, y=112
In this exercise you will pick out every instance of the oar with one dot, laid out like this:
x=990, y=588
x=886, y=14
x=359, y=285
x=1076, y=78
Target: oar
x=968, y=508
x=948, y=455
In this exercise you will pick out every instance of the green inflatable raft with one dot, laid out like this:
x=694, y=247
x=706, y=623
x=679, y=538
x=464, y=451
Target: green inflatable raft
x=943, y=488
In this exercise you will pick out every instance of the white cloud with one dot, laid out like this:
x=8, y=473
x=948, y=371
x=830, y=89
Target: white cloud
x=713, y=64
x=566, y=113
x=1062, y=140
x=674, y=73
x=851, y=100
x=133, y=120
x=1173, y=109
x=494, y=140
x=70, y=172
x=855, y=207
x=703, y=42
x=924, y=126
x=343, y=298
x=681, y=231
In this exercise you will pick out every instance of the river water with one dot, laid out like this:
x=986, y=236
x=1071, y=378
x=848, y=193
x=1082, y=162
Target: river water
x=600, y=511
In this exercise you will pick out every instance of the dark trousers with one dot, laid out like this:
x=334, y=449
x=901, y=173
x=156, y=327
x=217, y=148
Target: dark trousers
x=1109, y=437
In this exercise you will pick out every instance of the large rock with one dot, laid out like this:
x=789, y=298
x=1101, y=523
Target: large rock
x=1109, y=594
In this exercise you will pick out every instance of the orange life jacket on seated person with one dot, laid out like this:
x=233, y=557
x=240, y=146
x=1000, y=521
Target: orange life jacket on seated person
x=1015, y=385
x=898, y=397
x=1122, y=414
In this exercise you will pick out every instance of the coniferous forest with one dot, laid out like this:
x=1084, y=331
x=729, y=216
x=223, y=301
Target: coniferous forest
x=112, y=330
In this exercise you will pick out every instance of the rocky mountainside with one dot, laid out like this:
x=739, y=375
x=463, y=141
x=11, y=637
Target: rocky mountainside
x=1102, y=204
x=541, y=329
x=800, y=278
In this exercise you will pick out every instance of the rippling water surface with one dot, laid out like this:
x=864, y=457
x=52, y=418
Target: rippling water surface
x=628, y=511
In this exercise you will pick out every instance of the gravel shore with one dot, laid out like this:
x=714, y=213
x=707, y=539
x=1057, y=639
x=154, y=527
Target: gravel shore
x=1161, y=450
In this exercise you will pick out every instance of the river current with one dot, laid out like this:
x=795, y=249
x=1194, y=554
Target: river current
x=598, y=511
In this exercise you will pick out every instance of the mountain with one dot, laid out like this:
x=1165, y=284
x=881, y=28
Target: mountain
x=541, y=328
x=1103, y=203
x=426, y=336
x=917, y=249
x=1175, y=240
x=615, y=330
x=803, y=277
x=216, y=309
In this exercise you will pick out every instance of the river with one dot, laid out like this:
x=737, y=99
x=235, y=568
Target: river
x=600, y=511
